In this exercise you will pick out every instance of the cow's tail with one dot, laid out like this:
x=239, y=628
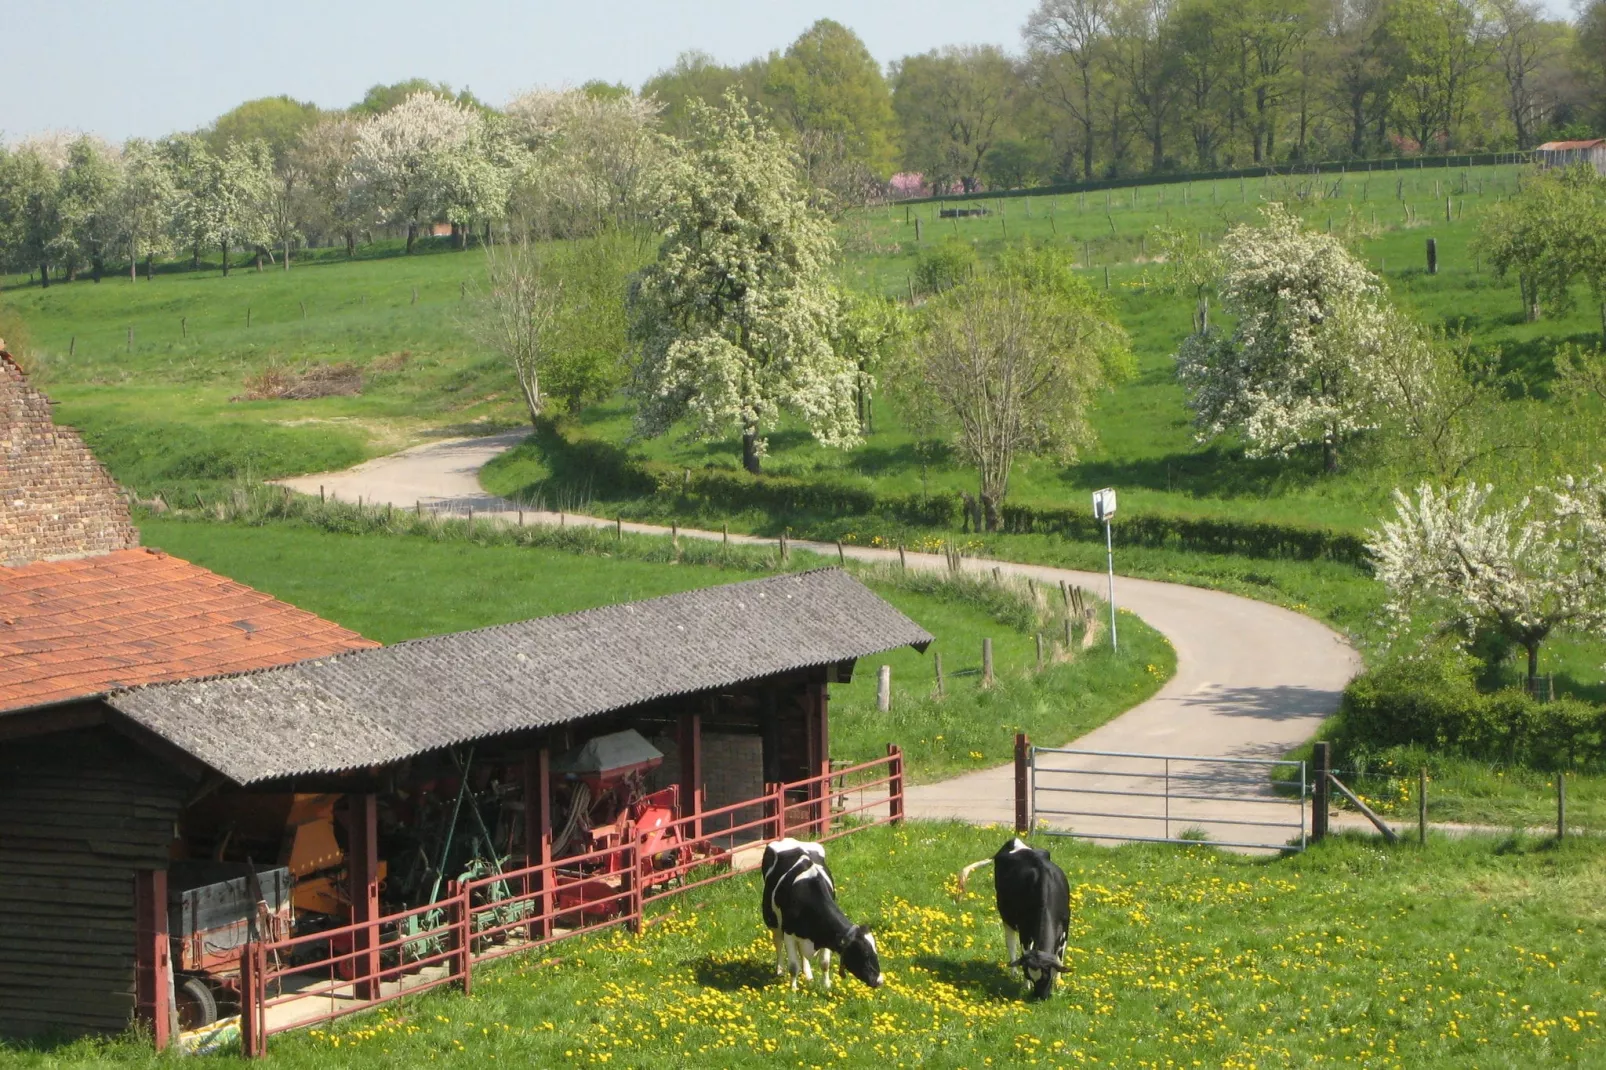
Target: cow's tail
x=964, y=874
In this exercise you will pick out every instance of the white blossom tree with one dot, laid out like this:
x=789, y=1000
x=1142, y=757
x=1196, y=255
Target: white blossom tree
x=1524, y=571
x=734, y=319
x=322, y=157
x=86, y=205
x=145, y=202
x=588, y=157
x=422, y=160
x=1301, y=363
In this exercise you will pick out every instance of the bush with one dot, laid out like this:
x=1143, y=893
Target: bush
x=1433, y=702
x=943, y=266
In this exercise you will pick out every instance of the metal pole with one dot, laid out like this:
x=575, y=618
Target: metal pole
x=1109, y=554
x=1168, y=798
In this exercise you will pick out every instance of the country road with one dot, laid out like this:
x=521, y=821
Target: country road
x=1252, y=680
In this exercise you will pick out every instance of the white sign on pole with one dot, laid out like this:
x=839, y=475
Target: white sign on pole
x=1104, y=509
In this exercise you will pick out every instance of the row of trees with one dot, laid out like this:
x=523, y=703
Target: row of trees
x=274, y=174
x=1116, y=87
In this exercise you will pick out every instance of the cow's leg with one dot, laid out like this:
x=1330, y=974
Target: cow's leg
x=1011, y=946
x=825, y=967
x=791, y=958
x=780, y=952
x=807, y=952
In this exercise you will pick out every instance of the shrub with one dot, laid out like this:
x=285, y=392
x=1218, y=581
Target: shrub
x=943, y=266
x=1433, y=702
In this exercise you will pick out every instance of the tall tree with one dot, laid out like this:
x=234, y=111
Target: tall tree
x=1064, y=38
x=421, y=160
x=145, y=202
x=1524, y=44
x=29, y=223
x=697, y=76
x=86, y=198
x=953, y=104
x=1012, y=362
x=1442, y=46
x=276, y=121
x=1362, y=72
x=734, y=318
x=1145, y=56
x=323, y=158
x=1202, y=35
x=830, y=90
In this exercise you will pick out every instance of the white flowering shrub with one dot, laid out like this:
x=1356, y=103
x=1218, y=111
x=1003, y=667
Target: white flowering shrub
x=1313, y=329
x=1453, y=558
x=734, y=320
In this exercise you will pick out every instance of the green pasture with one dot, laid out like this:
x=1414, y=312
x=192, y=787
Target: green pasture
x=397, y=587
x=1480, y=953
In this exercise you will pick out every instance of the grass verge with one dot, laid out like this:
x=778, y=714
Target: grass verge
x=1471, y=953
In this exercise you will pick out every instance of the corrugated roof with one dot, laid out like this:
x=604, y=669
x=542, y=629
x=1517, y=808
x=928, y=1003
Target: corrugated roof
x=1562, y=146
x=85, y=626
x=373, y=707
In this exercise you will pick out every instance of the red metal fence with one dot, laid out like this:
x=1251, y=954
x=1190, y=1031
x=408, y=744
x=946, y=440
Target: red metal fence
x=317, y=977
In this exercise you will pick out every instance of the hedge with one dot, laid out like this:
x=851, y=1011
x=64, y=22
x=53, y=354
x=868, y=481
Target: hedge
x=1426, y=704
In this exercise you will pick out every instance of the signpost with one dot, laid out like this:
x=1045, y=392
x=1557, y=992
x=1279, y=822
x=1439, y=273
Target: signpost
x=1104, y=509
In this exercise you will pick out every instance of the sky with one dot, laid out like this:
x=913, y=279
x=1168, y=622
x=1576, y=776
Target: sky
x=148, y=68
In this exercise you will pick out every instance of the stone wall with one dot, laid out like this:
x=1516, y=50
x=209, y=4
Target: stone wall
x=55, y=499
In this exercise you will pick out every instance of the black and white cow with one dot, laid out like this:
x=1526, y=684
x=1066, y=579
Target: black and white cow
x=802, y=914
x=1034, y=903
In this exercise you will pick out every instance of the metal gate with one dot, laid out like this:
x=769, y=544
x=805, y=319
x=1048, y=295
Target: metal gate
x=1165, y=798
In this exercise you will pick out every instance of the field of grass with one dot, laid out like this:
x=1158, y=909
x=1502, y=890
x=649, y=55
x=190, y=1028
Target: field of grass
x=394, y=587
x=1478, y=953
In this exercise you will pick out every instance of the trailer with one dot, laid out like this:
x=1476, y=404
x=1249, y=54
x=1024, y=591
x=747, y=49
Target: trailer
x=213, y=908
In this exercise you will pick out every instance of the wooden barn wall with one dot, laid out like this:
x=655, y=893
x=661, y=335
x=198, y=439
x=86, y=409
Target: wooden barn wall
x=80, y=811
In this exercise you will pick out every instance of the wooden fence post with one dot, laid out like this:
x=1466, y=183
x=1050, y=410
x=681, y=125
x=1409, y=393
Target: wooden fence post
x=883, y=689
x=936, y=661
x=1561, y=805
x=630, y=876
x=777, y=794
x=1320, y=792
x=250, y=1039
x=986, y=661
x=465, y=939
x=1023, y=787
x=1422, y=806
x=1039, y=651
x=895, y=784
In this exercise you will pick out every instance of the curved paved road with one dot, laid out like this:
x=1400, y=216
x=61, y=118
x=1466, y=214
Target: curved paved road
x=1252, y=679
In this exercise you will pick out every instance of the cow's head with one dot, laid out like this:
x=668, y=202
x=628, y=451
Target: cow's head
x=859, y=956
x=1040, y=968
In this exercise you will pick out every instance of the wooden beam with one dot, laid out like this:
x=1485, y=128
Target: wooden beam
x=537, y=778
x=153, y=967
x=362, y=871
x=690, y=744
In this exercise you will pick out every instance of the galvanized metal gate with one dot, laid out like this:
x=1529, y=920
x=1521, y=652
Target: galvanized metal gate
x=1165, y=798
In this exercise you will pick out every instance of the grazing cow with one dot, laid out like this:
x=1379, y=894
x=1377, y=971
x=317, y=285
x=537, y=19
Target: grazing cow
x=802, y=914
x=1034, y=903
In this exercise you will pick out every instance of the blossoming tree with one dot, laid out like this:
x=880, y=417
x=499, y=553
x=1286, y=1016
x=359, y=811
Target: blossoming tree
x=1522, y=571
x=1300, y=365
x=734, y=319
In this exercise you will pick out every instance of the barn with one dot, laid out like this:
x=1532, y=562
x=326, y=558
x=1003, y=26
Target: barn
x=1567, y=153
x=170, y=739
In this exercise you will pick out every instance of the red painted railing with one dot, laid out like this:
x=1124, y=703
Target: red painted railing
x=318, y=977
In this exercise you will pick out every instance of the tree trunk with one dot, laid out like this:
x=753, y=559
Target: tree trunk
x=1329, y=454
x=991, y=519
x=133, y=261
x=96, y=266
x=287, y=253
x=72, y=272
x=195, y=258
x=44, y=275
x=225, y=259
x=750, y=458
x=1532, y=646
x=351, y=244
x=412, y=235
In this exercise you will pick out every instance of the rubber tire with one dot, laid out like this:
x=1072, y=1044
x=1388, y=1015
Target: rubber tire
x=197, y=1006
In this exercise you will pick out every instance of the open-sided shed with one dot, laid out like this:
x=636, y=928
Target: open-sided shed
x=729, y=684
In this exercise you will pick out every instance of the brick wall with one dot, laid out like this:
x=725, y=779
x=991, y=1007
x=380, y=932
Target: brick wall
x=55, y=499
x=733, y=770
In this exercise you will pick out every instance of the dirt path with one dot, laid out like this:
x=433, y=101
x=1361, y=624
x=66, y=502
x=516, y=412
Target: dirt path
x=1252, y=679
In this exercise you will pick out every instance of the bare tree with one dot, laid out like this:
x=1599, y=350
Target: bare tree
x=1063, y=36
x=516, y=316
x=1524, y=44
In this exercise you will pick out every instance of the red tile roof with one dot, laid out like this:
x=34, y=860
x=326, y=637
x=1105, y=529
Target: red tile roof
x=82, y=627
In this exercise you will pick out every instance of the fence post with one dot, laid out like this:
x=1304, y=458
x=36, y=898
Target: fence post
x=936, y=662
x=1039, y=651
x=895, y=783
x=883, y=689
x=632, y=876
x=1422, y=806
x=1561, y=805
x=465, y=941
x=1023, y=802
x=986, y=661
x=248, y=1001
x=1320, y=791
x=777, y=803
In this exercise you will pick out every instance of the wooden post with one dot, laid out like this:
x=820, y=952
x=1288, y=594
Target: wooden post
x=883, y=689
x=1039, y=651
x=153, y=965
x=183, y=327
x=1070, y=637
x=936, y=661
x=1320, y=792
x=1023, y=786
x=841, y=557
x=618, y=528
x=895, y=783
x=464, y=966
x=1561, y=805
x=690, y=745
x=986, y=662
x=725, y=533
x=1433, y=257
x=903, y=562
x=72, y=346
x=1422, y=806
x=538, y=835
x=362, y=867
x=320, y=494
x=630, y=875
x=251, y=1041
x=303, y=309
